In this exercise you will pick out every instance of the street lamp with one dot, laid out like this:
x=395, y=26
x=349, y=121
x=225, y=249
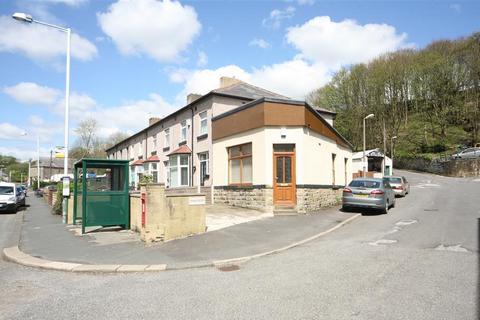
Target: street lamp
x=371, y=115
x=23, y=17
x=38, y=160
x=391, y=150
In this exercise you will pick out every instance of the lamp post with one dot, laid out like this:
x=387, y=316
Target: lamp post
x=371, y=115
x=38, y=161
x=391, y=150
x=23, y=17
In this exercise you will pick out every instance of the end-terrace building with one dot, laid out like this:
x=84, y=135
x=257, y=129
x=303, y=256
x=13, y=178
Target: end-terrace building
x=187, y=150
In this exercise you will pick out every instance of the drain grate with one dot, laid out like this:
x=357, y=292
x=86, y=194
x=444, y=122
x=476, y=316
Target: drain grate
x=229, y=268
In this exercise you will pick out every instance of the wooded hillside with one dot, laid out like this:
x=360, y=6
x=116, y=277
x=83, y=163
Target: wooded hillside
x=428, y=98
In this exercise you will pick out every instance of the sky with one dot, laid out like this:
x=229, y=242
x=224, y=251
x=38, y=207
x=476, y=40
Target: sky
x=132, y=60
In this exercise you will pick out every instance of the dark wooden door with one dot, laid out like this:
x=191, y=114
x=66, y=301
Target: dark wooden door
x=284, y=186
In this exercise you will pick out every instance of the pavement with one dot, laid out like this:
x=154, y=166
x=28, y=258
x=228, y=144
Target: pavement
x=47, y=243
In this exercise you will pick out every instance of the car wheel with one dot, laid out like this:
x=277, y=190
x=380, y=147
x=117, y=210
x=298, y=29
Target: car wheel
x=394, y=202
x=385, y=209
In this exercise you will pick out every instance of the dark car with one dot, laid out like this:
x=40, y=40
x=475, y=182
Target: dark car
x=368, y=193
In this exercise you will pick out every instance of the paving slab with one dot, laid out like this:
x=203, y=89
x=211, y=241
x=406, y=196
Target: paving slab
x=44, y=236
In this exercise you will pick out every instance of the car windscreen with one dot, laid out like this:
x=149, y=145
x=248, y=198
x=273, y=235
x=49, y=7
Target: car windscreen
x=394, y=180
x=364, y=184
x=6, y=190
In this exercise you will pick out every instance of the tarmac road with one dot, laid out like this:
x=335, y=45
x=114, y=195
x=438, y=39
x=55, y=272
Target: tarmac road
x=420, y=261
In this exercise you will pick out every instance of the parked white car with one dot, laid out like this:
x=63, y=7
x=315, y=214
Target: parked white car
x=468, y=153
x=8, y=197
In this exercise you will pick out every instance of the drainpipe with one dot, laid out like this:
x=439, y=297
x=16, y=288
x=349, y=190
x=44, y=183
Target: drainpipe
x=191, y=157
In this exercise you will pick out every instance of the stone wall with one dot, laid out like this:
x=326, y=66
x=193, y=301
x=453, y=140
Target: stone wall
x=259, y=198
x=207, y=191
x=313, y=199
x=168, y=216
x=452, y=168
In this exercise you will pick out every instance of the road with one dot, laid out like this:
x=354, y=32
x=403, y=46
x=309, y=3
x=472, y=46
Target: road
x=420, y=261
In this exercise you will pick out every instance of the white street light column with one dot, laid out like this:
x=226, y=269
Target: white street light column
x=391, y=150
x=371, y=115
x=28, y=18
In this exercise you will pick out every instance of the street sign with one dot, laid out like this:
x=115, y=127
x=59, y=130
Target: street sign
x=66, y=186
x=59, y=152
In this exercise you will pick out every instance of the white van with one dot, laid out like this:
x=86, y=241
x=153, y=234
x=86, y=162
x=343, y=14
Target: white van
x=8, y=197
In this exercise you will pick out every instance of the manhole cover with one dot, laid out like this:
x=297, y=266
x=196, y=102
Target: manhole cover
x=229, y=268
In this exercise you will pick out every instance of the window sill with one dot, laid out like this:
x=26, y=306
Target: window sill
x=202, y=136
x=166, y=149
x=182, y=143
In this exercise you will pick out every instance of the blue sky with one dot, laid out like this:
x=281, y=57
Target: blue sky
x=136, y=59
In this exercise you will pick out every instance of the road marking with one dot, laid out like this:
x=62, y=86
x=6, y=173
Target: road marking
x=406, y=222
x=382, y=242
x=457, y=248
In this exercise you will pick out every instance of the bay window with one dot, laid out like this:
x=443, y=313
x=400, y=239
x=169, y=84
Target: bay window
x=179, y=170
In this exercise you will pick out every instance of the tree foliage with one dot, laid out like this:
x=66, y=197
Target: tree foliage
x=429, y=98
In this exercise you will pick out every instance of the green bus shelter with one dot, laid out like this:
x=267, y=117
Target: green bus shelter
x=101, y=195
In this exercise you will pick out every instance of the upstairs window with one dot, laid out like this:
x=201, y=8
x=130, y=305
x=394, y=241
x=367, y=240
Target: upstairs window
x=167, y=138
x=184, y=130
x=203, y=123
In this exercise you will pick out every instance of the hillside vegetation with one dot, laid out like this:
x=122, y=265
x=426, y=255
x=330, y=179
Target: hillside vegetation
x=428, y=98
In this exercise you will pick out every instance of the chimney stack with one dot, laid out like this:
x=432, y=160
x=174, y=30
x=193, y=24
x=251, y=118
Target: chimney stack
x=227, y=81
x=153, y=120
x=192, y=97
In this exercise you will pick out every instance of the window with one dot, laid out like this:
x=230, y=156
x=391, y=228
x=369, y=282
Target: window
x=131, y=153
x=240, y=164
x=203, y=123
x=179, y=170
x=154, y=142
x=203, y=158
x=167, y=173
x=184, y=130
x=167, y=138
x=154, y=171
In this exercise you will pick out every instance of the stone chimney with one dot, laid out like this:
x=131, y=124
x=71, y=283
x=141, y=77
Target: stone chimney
x=153, y=120
x=192, y=97
x=227, y=81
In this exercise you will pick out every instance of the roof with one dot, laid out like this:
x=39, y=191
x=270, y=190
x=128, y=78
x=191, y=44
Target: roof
x=290, y=102
x=154, y=158
x=323, y=110
x=182, y=150
x=369, y=153
x=138, y=162
x=241, y=90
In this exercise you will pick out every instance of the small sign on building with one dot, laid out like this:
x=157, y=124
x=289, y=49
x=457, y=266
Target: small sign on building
x=196, y=201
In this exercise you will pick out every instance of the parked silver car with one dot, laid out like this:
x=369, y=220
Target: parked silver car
x=368, y=193
x=468, y=153
x=399, y=184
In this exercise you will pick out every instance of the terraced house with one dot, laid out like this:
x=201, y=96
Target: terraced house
x=244, y=146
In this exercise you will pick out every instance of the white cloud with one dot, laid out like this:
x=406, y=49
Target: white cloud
x=32, y=93
x=159, y=29
x=346, y=42
x=258, y=42
x=130, y=116
x=41, y=43
x=9, y=131
x=276, y=17
x=278, y=77
x=26, y=153
x=202, y=59
x=35, y=120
